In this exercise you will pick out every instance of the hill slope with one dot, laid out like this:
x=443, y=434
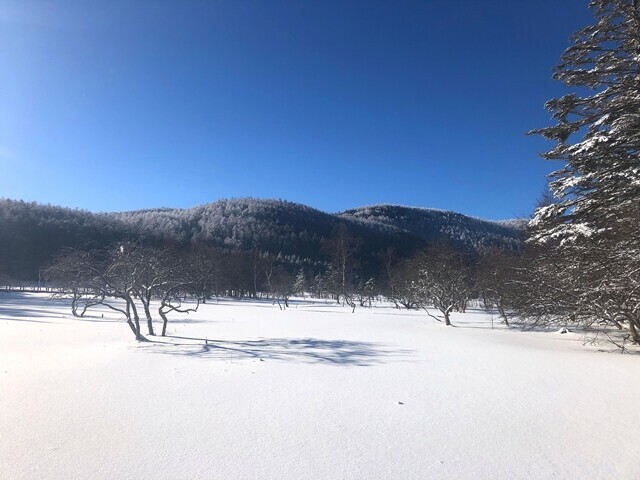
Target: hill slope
x=31, y=233
x=436, y=225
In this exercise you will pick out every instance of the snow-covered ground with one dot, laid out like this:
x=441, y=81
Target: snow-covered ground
x=313, y=392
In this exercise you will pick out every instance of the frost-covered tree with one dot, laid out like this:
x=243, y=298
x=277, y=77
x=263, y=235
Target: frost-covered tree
x=105, y=275
x=342, y=249
x=405, y=279
x=497, y=280
x=597, y=135
x=283, y=285
x=301, y=284
x=598, y=130
x=445, y=279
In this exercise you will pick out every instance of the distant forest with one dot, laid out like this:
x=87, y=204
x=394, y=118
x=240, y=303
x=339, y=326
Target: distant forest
x=32, y=234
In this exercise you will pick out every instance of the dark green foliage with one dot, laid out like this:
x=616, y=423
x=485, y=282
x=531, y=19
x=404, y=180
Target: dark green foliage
x=583, y=266
x=32, y=234
x=441, y=226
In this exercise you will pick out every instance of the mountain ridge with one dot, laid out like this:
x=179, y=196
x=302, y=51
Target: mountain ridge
x=32, y=233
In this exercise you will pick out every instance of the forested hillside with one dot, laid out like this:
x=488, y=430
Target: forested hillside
x=32, y=234
x=437, y=225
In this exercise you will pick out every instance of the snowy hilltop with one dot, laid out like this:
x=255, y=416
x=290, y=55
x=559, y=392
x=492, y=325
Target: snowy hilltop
x=33, y=233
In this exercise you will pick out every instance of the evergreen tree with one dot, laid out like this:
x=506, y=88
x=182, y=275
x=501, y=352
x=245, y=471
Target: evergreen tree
x=597, y=134
x=591, y=233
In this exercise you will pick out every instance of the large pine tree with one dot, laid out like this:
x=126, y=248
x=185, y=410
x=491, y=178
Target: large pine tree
x=592, y=228
x=597, y=130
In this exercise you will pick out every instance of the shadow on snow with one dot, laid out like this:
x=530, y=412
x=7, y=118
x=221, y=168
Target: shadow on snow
x=301, y=350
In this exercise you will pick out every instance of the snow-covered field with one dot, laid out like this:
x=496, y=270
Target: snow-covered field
x=313, y=392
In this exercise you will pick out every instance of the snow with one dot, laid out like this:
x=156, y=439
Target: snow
x=243, y=390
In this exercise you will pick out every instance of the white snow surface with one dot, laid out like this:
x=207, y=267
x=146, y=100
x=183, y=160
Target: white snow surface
x=313, y=392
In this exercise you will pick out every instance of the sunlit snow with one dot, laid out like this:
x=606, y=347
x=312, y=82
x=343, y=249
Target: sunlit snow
x=242, y=390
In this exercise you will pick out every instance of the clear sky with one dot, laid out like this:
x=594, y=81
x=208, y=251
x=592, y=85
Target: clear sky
x=120, y=105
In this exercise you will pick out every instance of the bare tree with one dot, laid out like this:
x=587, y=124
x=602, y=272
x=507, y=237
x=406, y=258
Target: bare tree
x=498, y=271
x=388, y=259
x=282, y=284
x=445, y=279
x=105, y=275
x=407, y=291
x=342, y=248
x=171, y=301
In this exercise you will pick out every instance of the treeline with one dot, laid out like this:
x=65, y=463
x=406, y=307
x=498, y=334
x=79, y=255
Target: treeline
x=138, y=276
x=32, y=234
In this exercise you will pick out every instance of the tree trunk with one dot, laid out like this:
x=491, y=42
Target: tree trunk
x=504, y=316
x=131, y=326
x=147, y=313
x=633, y=329
x=502, y=312
x=74, y=304
x=165, y=320
x=136, y=319
x=129, y=322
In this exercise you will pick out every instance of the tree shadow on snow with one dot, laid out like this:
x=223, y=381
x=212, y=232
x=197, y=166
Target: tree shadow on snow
x=301, y=350
x=27, y=309
x=17, y=306
x=20, y=313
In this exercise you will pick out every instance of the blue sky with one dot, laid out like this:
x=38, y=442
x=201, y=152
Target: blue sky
x=120, y=105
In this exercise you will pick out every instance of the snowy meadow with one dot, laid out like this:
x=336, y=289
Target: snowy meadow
x=243, y=390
